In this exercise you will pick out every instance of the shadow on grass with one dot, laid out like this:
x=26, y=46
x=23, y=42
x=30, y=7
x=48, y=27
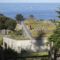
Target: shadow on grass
x=9, y=54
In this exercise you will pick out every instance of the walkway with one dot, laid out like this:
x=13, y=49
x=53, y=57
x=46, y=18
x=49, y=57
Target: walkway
x=26, y=30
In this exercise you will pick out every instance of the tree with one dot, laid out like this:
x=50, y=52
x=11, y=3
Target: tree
x=10, y=24
x=1, y=14
x=31, y=16
x=19, y=17
x=7, y=23
x=58, y=12
x=55, y=39
x=2, y=22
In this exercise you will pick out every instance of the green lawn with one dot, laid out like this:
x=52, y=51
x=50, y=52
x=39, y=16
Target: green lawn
x=40, y=54
x=35, y=54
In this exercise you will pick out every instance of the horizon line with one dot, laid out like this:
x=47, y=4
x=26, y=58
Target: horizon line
x=30, y=2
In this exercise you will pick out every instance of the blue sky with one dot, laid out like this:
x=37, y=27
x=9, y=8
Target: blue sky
x=29, y=1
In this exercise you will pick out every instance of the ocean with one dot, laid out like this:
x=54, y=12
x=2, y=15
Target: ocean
x=39, y=10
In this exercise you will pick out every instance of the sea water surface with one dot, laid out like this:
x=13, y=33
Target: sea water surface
x=39, y=10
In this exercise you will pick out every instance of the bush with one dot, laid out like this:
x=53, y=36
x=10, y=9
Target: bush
x=20, y=32
x=7, y=23
x=10, y=24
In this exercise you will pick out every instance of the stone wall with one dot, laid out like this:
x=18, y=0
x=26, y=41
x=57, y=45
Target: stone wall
x=17, y=45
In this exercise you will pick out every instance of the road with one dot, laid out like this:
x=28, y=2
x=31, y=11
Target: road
x=26, y=30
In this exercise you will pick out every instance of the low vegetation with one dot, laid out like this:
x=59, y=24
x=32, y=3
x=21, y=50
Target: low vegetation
x=40, y=54
x=7, y=23
x=35, y=26
x=18, y=35
x=1, y=40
